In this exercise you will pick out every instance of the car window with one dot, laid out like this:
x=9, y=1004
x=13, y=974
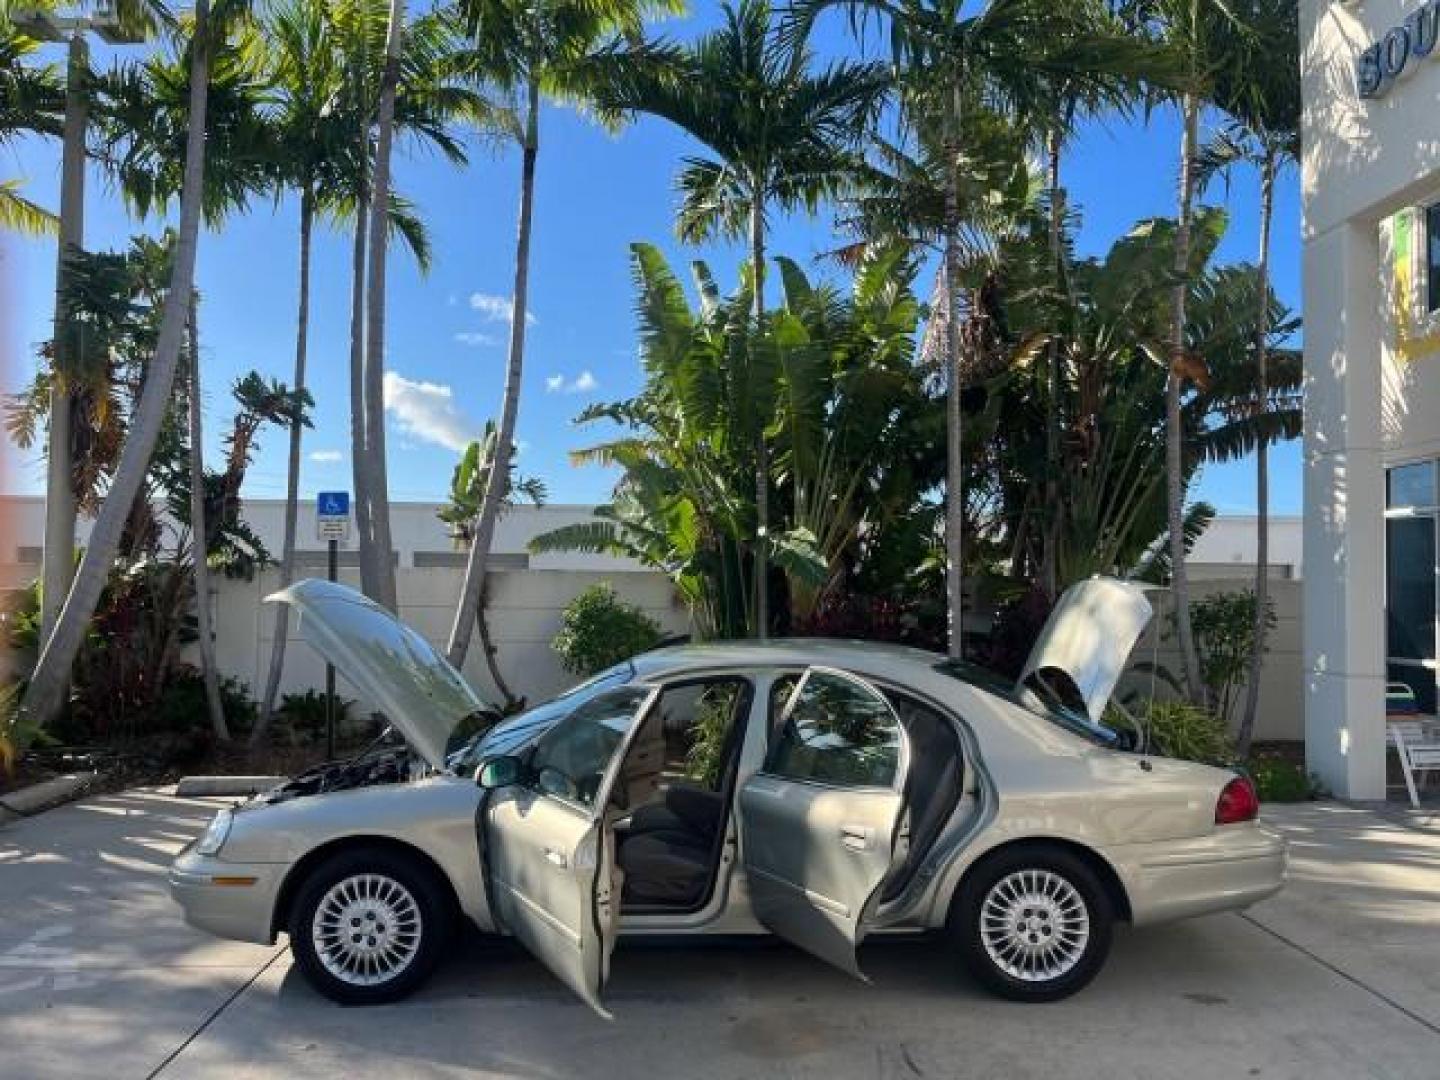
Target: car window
x=1037, y=696
x=570, y=759
x=836, y=731
x=510, y=733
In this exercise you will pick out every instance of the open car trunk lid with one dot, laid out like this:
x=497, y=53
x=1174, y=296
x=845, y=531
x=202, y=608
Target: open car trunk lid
x=391, y=665
x=1089, y=636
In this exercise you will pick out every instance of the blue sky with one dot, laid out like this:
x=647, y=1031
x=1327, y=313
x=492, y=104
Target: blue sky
x=596, y=194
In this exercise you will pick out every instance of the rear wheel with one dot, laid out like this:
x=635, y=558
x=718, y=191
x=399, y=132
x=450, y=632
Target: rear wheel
x=1033, y=924
x=368, y=926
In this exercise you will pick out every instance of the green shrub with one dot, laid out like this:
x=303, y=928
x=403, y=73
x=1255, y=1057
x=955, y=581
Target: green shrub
x=15, y=734
x=182, y=708
x=1179, y=730
x=598, y=629
x=705, y=760
x=1279, y=780
x=303, y=715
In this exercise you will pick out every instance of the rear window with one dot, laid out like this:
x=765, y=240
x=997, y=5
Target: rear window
x=1040, y=699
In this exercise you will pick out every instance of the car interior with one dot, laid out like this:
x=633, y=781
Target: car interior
x=677, y=785
x=674, y=793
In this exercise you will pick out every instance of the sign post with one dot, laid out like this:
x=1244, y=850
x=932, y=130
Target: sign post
x=332, y=524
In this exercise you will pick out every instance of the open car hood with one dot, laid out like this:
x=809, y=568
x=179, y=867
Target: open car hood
x=1089, y=637
x=392, y=666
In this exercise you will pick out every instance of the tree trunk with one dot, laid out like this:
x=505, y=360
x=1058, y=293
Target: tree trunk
x=381, y=548
x=361, y=480
x=1262, y=464
x=292, y=478
x=1049, y=569
x=58, y=561
x=489, y=649
x=52, y=673
x=954, y=418
x=1174, y=431
x=498, y=482
x=199, y=537
x=762, y=454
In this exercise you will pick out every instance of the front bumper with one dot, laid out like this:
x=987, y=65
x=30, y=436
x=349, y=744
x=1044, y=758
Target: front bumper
x=227, y=899
x=1232, y=868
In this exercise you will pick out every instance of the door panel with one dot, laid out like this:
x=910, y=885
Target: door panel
x=815, y=856
x=548, y=853
x=543, y=876
x=818, y=822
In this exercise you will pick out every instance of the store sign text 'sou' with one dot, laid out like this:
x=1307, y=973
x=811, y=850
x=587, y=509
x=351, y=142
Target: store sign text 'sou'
x=1410, y=42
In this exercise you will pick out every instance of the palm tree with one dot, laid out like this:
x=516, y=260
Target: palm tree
x=532, y=49
x=1202, y=36
x=1262, y=93
x=1119, y=70
x=951, y=55
x=44, y=695
x=143, y=119
x=302, y=50
x=198, y=553
x=32, y=100
x=781, y=135
x=378, y=487
x=430, y=95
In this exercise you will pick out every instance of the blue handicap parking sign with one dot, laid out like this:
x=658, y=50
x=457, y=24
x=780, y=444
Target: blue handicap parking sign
x=333, y=504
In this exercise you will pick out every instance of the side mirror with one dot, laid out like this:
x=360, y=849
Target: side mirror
x=498, y=772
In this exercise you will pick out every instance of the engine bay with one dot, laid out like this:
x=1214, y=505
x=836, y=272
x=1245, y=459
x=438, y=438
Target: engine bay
x=386, y=761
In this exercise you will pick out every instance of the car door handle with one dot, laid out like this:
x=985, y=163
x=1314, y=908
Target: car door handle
x=555, y=857
x=856, y=837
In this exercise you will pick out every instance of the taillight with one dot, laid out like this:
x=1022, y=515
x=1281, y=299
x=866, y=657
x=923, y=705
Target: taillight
x=1238, y=802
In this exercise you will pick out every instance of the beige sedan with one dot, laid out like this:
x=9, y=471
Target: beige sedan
x=822, y=791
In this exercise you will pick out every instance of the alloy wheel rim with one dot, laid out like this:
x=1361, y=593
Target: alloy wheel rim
x=1034, y=925
x=366, y=929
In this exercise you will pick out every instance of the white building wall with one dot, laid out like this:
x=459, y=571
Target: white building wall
x=1367, y=406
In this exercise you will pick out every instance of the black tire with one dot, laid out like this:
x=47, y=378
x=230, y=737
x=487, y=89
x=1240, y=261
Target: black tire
x=1073, y=886
x=369, y=868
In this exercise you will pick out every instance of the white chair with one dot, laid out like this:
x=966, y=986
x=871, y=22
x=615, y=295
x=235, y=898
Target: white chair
x=1417, y=745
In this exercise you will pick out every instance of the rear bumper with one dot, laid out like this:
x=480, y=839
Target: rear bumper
x=229, y=900
x=1234, y=867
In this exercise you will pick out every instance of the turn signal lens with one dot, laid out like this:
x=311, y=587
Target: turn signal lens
x=1238, y=802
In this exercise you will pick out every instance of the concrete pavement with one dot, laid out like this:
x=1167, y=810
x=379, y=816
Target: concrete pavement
x=1337, y=977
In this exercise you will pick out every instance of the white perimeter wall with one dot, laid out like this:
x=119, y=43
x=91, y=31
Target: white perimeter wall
x=523, y=614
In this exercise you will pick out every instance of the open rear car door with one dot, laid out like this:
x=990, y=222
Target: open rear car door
x=818, y=821
x=548, y=848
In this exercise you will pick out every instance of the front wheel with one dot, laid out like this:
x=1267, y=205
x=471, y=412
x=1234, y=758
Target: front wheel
x=1033, y=924
x=368, y=926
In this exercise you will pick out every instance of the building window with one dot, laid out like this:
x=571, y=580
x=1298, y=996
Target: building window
x=1432, y=258
x=1410, y=485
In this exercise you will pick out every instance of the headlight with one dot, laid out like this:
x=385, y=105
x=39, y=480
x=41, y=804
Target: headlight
x=214, y=837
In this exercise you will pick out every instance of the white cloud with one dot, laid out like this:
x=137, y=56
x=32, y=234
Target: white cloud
x=475, y=339
x=427, y=411
x=584, y=383
x=326, y=457
x=497, y=308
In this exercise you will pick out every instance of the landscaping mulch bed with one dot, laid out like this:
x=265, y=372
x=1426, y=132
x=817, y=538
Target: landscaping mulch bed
x=164, y=760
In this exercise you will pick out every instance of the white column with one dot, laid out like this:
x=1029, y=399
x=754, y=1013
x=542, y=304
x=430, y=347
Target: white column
x=1344, y=580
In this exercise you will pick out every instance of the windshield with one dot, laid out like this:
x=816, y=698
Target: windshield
x=510, y=733
x=1037, y=697
x=570, y=759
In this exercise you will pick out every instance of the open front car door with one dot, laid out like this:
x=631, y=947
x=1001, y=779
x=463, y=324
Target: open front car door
x=819, y=820
x=548, y=847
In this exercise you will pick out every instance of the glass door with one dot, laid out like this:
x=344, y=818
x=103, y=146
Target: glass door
x=1410, y=587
